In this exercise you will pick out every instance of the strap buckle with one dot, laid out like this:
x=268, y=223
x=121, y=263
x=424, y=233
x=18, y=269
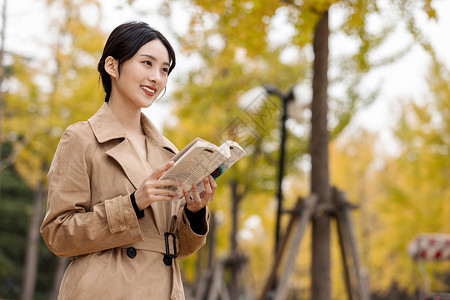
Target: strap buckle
x=168, y=257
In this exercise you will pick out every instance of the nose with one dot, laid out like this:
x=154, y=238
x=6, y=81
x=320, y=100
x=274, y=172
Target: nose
x=154, y=75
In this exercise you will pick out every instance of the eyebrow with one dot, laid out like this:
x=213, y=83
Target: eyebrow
x=154, y=58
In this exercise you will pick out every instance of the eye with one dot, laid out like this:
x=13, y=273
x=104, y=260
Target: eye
x=165, y=70
x=148, y=63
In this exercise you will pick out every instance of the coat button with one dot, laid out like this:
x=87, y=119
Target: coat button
x=131, y=252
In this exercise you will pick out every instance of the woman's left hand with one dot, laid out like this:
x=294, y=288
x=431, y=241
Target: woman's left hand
x=204, y=198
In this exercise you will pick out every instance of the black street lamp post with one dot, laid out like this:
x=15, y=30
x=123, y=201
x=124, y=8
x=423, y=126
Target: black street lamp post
x=286, y=98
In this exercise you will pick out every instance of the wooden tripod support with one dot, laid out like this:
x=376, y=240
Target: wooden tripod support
x=277, y=283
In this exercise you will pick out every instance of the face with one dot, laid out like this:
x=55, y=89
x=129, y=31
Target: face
x=143, y=77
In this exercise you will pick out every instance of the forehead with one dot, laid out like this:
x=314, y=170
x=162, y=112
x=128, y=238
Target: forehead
x=155, y=49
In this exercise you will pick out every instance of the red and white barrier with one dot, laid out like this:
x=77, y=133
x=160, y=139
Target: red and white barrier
x=430, y=246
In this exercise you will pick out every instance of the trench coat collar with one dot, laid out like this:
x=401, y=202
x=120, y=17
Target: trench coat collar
x=106, y=127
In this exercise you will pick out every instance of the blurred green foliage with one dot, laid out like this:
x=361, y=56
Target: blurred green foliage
x=15, y=212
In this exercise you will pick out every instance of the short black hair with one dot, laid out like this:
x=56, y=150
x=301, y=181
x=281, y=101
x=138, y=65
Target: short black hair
x=123, y=43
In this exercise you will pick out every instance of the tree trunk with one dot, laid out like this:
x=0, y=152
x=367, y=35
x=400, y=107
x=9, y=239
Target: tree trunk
x=32, y=251
x=320, y=185
x=234, y=257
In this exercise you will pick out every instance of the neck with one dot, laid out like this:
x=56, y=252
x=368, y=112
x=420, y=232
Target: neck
x=129, y=116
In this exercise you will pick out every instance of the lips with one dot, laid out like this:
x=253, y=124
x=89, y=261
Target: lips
x=148, y=90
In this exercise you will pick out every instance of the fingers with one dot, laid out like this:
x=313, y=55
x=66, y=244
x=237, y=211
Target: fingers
x=166, y=183
x=213, y=183
x=158, y=187
x=147, y=194
x=193, y=203
x=198, y=201
x=162, y=191
x=161, y=170
x=152, y=189
x=208, y=189
x=157, y=196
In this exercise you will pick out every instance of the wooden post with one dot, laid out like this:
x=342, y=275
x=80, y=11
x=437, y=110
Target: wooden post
x=271, y=279
x=339, y=208
x=347, y=241
x=217, y=283
x=307, y=212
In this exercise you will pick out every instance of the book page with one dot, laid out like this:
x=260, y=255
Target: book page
x=234, y=152
x=196, y=163
x=187, y=148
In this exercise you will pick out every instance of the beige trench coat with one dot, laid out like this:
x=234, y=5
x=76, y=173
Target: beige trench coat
x=91, y=219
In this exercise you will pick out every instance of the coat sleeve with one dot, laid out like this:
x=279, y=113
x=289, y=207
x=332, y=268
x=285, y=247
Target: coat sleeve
x=190, y=242
x=72, y=226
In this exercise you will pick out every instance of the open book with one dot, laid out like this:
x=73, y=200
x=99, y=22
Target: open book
x=199, y=159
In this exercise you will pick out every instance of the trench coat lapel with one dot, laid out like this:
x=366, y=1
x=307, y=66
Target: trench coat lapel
x=107, y=127
x=135, y=168
x=156, y=138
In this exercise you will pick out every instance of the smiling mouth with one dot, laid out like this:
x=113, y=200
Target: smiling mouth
x=148, y=90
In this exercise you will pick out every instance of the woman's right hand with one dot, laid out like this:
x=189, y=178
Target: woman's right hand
x=152, y=190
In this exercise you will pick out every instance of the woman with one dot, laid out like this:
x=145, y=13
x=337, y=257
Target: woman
x=123, y=229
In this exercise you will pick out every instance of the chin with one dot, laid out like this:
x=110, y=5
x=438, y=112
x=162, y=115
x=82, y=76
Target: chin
x=146, y=103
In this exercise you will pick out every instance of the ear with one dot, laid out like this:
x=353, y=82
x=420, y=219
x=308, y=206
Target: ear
x=112, y=67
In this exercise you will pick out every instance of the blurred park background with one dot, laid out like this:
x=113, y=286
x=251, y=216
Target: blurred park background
x=386, y=89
